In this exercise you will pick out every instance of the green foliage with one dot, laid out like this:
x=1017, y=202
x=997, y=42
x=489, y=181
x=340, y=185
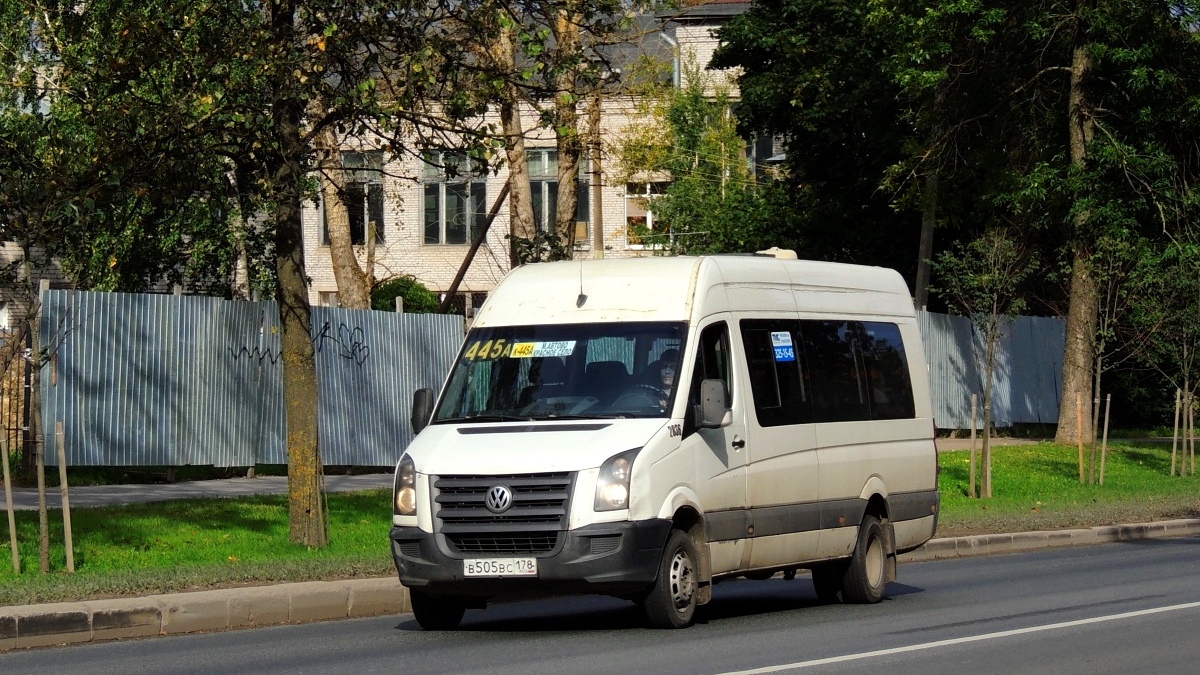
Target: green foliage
x=417, y=298
x=982, y=279
x=812, y=76
x=713, y=203
x=542, y=247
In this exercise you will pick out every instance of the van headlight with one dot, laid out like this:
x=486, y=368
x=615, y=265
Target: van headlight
x=404, y=497
x=612, y=485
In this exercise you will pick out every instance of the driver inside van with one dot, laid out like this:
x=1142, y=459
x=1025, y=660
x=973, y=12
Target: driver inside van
x=663, y=374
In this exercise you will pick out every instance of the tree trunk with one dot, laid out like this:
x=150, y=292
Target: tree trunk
x=305, y=516
x=566, y=128
x=1082, y=318
x=352, y=284
x=520, y=199
x=925, y=253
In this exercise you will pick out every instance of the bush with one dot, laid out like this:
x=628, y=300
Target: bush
x=417, y=298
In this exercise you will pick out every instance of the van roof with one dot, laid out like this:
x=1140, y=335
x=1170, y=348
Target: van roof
x=686, y=288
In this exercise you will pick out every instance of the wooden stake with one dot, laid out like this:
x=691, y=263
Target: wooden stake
x=974, y=408
x=1092, y=456
x=60, y=442
x=8, y=503
x=1104, y=444
x=39, y=444
x=1079, y=430
x=1175, y=431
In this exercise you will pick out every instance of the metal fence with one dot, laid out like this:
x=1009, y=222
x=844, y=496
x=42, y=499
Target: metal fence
x=167, y=380
x=1026, y=377
x=162, y=380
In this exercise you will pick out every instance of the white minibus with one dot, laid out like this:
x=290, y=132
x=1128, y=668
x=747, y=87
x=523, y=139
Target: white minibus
x=645, y=428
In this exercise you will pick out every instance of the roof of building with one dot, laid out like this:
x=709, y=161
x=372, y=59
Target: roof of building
x=704, y=10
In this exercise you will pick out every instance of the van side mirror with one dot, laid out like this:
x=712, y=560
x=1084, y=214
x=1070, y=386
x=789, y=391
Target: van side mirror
x=422, y=409
x=714, y=409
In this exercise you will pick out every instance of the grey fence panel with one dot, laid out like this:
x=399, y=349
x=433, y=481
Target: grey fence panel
x=368, y=366
x=1025, y=379
x=147, y=380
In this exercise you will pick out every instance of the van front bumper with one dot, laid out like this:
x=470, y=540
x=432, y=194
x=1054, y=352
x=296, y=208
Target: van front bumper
x=619, y=559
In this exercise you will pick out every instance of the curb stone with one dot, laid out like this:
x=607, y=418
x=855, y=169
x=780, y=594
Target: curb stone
x=27, y=626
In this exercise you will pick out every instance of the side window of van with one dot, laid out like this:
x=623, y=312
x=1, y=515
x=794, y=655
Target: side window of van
x=858, y=371
x=776, y=363
x=887, y=371
x=712, y=363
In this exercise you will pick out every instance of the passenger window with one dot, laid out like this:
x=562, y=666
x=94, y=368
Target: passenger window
x=712, y=363
x=838, y=383
x=859, y=371
x=775, y=365
x=887, y=371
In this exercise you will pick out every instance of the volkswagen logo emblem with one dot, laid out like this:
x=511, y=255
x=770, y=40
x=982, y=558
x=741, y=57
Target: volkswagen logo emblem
x=498, y=499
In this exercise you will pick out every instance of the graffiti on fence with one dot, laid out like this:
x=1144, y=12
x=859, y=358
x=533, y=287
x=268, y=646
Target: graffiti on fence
x=256, y=353
x=349, y=342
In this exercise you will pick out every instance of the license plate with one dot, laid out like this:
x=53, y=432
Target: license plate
x=500, y=567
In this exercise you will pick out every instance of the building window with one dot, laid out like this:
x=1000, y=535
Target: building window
x=327, y=298
x=362, y=176
x=543, y=184
x=760, y=153
x=455, y=197
x=639, y=217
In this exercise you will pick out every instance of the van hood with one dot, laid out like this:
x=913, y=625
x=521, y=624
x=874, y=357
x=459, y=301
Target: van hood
x=526, y=447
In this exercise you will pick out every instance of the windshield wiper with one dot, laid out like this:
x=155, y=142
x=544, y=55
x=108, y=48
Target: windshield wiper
x=485, y=418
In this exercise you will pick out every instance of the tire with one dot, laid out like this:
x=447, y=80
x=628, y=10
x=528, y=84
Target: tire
x=671, y=602
x=827, y=582
x=866, y=576
x=436, y=613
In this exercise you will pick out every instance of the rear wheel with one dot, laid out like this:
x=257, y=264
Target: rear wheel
x=436, y=613
x=866, y=577
x=671, y=603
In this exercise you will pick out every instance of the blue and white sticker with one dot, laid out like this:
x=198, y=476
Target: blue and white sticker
x=782, y=342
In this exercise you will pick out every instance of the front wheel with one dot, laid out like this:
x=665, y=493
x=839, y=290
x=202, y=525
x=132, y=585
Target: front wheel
x=436, y=613
x=866, y=576
x=671, y=603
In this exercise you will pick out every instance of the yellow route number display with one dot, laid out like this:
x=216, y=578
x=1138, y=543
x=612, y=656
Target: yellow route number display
x=487, y=350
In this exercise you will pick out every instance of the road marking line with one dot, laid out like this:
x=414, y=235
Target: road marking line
x=963, y=640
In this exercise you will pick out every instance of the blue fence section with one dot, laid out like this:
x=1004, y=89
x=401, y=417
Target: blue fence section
x=1026, y=378
x=161, y=380
x=141, y=380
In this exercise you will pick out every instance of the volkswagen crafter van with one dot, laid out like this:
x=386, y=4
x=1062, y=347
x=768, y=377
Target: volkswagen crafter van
x=644, y=428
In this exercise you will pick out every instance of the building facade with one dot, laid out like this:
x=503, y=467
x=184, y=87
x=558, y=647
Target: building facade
x=424, y=218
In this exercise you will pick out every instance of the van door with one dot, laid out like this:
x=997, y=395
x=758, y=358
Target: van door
x=782, y=473
x=719, y=455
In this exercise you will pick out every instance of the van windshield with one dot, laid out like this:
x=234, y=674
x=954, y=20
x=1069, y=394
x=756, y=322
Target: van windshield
x=592, y=370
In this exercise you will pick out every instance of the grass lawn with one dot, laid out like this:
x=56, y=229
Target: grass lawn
x=1036, y=487
x=185, y=545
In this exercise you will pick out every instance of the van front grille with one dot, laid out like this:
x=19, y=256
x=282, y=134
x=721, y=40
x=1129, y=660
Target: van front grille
x=531, y=525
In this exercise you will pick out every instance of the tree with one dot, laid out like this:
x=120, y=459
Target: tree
x=417, y=299
x=982, y=281
x=1063, y=121
x=226, y=90
x=811, y=75
x=714, y=203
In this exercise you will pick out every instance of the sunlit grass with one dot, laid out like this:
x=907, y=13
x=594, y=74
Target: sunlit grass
x=1036, y=487
x=197, y=543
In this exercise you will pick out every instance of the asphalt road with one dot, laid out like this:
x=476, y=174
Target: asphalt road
x=1117, y=608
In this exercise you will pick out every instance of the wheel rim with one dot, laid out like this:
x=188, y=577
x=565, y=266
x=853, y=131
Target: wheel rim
x=874, y=562
x=683, y=580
